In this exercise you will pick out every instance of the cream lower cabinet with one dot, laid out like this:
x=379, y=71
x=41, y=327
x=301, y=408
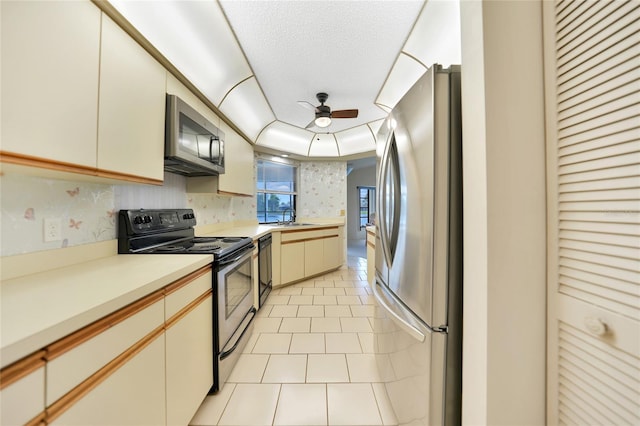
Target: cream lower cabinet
x=23, y=400
x=148, y=363
x=189, y=348
x=371, y=254
x=306, y=253
x=292, y=266
x=332, y=254
x=133, y=395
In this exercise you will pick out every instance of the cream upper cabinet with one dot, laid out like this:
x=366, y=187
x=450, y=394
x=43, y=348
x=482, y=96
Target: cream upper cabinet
x=175, y=87
x=238, y=177
x=50, y=64
x=131, y=107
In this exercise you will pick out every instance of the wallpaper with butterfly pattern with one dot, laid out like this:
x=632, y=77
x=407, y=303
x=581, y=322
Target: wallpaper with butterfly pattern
x=88, y=211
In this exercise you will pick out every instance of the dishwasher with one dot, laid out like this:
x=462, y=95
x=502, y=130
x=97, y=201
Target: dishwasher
x=264, y=268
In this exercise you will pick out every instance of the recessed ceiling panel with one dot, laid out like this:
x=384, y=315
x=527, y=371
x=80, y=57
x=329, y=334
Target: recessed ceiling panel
x=404, y=74
x=436, y=35
x=286, y=138
x=356, y=140
x=344, y=48
x=195, y=37
x=246, y=106
x=323, y=145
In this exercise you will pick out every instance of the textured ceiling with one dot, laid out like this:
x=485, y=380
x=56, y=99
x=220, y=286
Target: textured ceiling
x=343, y=48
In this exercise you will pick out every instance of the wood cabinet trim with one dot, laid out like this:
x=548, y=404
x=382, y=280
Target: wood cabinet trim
x=373, y=246
x=309, y=228
x=73, y=340
x=22, y=368
x=323, y=237
x=187, y=279
x=70, y=398
x=190, y=307
x=234, y=194
x=38, y=420
x=60, y=166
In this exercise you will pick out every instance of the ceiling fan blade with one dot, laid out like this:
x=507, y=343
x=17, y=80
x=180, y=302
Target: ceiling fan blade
x=308, y=105
x=344, y=113
x=310, y=125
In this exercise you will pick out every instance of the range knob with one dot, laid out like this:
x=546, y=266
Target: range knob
x=188, y=216
x=147, y=219
x=138, y=220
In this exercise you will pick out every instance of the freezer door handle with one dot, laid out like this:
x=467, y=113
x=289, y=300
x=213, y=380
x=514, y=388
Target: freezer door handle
x=404, y=318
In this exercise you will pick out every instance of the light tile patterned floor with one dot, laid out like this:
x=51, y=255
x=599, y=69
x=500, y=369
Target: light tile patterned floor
x=309, y=361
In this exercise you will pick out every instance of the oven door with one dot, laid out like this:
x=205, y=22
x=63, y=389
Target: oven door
x=235, y=310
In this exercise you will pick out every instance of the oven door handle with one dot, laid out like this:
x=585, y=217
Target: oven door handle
x=235, y=259
x=228, y=352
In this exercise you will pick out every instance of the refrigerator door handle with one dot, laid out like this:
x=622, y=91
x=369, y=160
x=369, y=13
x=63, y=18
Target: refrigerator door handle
x=399, y=314
x=382, y=205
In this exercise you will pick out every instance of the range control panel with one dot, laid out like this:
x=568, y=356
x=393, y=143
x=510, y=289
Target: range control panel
x=142, y=221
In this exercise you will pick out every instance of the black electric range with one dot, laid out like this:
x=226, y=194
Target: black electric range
x=171, y=231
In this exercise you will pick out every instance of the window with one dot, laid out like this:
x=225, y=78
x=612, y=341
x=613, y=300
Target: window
x=367, y=200
x=276, y=191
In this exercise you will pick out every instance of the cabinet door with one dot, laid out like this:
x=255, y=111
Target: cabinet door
x=314, y=257
x=71, y=368
x=50, y=64
x=332, y=252
x=133, y=395
x=132, y=107
x=23, y=400
x=292, y=260
x=238, y=177
x=189, y=367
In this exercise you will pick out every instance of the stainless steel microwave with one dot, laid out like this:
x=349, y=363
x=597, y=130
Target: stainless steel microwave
x=193, y=145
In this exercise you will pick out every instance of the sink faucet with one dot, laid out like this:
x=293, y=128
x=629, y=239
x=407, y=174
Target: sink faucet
x=293, y=215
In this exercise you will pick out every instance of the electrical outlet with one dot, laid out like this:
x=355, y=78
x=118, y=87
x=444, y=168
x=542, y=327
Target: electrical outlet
x=52, y=229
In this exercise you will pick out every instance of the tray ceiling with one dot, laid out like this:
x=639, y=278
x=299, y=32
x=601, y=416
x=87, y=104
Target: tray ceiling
x=254, y=60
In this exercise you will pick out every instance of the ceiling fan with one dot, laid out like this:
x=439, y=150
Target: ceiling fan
x=324, y=113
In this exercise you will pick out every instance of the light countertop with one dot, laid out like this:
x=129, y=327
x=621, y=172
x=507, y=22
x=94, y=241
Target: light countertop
x=257, y=231
x=38, y=309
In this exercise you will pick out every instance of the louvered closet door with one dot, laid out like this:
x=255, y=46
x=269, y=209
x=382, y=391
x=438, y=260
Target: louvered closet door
x=592, y=80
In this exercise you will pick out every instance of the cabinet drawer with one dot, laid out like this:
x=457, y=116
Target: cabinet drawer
x=301, y=235
x=70, y=363
x=186, y=290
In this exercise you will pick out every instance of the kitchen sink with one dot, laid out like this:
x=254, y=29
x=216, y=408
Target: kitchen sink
x=295, y=224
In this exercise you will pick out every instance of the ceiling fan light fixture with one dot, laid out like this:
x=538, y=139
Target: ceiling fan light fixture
x=323, y=121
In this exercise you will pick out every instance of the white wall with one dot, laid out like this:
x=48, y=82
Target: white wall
x=365, y=176
x=504, y=213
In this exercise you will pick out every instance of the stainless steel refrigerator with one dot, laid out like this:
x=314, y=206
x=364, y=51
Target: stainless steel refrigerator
x=418, y=285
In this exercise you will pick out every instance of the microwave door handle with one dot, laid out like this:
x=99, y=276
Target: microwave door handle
x=211, y=139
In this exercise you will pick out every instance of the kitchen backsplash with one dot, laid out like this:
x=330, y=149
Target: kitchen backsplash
x=88, y=211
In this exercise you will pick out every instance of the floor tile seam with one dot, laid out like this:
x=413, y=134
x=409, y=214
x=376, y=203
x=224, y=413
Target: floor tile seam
x=226, y=404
